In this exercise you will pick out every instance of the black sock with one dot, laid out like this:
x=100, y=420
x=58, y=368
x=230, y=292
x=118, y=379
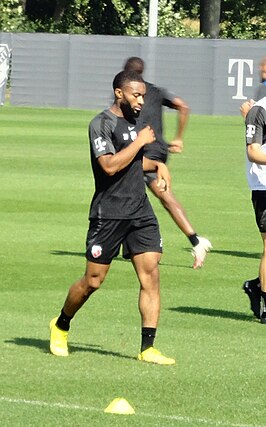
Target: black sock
x=193, y=238
x=147, y=337
x=63, y=321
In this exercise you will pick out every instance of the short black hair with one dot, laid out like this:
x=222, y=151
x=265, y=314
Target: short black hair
x=134, y=63
x=124, y=77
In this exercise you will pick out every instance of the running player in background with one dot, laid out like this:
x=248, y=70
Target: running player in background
x=151, y=115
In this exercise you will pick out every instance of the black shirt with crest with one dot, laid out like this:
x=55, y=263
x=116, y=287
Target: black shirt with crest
x=123, y=195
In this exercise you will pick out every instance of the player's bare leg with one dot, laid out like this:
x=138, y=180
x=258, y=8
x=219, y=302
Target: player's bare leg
x=78, y=294
x=146, y=266
x=201, y=245
x=174, y=208
x=81, y=290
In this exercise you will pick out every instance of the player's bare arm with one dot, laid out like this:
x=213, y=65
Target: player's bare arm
x=113, y=163
x=163, y=177
x=176, y=145
x=245, y=107
x=255, y=154
x=163, y=174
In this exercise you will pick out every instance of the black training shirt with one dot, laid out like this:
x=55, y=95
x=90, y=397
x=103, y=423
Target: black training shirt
x=151, y=114
x=121, y=196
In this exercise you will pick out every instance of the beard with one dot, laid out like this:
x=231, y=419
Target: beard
x=128, y=111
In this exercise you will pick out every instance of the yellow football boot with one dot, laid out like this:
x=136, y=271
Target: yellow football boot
x=154, y=356
x=58, y=340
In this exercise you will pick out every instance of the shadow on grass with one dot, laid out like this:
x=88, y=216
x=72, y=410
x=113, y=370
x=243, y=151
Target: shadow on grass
x=238, y=254
x=68, y=253
x=73, y=347
x=119, y=258
x=212, y=312
x=82, y=254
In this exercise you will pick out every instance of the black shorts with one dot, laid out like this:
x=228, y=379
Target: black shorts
x=157, y=151
x=105, y=237
x=259, y=205
x=149, y=177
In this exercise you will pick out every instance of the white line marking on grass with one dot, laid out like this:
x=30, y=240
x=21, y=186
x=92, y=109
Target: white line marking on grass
x=48, y=404
x=70, y=407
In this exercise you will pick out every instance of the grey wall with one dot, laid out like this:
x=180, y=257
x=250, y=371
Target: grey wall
x=213, y=76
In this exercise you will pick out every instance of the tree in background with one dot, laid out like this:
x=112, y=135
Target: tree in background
x=239, y=19
x=210, y=11
x=243, y=19
x=235, y=19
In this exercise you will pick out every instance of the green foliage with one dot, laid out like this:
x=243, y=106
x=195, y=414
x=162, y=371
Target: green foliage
x=135, y=18
x=190, y=8
x=135, y=22
x=243, y=19
x=11, y=16
x=244, y=30
x=170, y=22
x=116, y=17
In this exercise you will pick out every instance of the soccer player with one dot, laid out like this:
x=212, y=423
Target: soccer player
x=256, y=175
x=252, y=287
x=120, y=214
x=151, y=114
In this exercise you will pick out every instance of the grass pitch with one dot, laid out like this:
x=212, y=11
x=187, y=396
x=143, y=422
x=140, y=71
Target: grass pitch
x=206, y=324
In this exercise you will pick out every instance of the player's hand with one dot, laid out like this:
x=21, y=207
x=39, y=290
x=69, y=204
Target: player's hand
x=176, y=146
x=246, y=106
x=146, y=135
x=163, y=177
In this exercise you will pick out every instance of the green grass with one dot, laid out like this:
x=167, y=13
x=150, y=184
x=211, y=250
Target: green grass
x=206, y=324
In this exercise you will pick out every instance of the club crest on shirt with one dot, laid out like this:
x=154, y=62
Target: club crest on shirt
x=132, y=135
x=96, y=251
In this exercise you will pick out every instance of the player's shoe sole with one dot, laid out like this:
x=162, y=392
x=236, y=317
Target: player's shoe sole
x=58, y=340
x=152, y=355
x=254, y=295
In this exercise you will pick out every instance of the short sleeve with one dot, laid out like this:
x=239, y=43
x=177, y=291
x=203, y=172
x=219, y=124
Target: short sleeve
x=167, y=98
x=255, y=122
x=100, y=135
